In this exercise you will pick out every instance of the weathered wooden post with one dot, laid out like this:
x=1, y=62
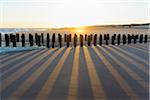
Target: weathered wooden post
x=48, y=40
x=14, y=40
x=39, y=40
x=145, y=38
x=137, y=36
x=114, y=36
x=17, y=37
x=118, y=39
x=10, y=37
x=0, y=39
x=112, y=40
x=100, y=39
x=65, y=38
x=95, y=40
x=68, y=40
x=31, y=39
x=85, y=37
x=42, y=38
x=91, y=37
x=124, y=39
x=141, y=38
x=53, y=40
x=89, y=40
x=106, y=38
x=129, y=39
x=23, y=40
x=60, y=40
x=7, y=40
x=75, y=40
x=134, y=38
x=81, y=40
x=36, y=38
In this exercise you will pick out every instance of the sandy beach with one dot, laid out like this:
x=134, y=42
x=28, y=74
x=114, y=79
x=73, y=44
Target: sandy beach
x=83, y=73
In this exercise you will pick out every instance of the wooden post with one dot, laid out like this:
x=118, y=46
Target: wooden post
x=7, y=40
x=10, y=37
x=23, y=40
x=100, y=40
x=112, y=40
x=0, y=39
x=36, y=38
x=81, y=40
x=60, y=40
x=118, y=39
x=145, y=38
x=129, y=39
x=39, y=40
x=48, y=40
x=106, y=38
x=85, y=37
x=95, y=40
x=124, y=39
x=68, y=40
x=137, y=36
x=114, y=36
x=14, y=40
x=91, y=37
x=42, y=38
x=75, y=40
x=134, y=38
x=65, y=38
x=53, y=40
x=17, y=37
x=31, y=39
x=89, y=40
x=141, y=38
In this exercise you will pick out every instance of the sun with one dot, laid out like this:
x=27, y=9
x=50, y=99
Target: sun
x=79, y=30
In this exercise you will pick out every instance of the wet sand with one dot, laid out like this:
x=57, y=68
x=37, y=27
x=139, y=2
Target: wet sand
x=81, y=73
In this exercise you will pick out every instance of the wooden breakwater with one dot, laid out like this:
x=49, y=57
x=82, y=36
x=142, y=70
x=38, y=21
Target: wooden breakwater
x=67, y=40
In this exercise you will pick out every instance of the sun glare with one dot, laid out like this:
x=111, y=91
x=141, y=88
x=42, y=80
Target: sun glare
x=80, y=30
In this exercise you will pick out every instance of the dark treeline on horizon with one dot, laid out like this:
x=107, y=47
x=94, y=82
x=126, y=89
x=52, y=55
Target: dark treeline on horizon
x=67, y=39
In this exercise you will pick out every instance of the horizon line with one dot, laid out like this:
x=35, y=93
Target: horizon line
x=101, y=25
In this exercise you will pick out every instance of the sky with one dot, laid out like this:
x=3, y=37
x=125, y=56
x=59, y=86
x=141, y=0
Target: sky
x=71, y=13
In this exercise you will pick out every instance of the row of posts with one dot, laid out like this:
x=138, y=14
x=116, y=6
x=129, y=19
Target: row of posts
x=89, y=39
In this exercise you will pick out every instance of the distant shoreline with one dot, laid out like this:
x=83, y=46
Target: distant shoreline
x=99, y=28
x=88, y=26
